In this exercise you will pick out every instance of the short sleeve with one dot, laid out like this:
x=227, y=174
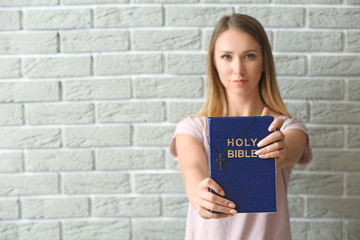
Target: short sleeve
x=293, y=123
x=192, y=126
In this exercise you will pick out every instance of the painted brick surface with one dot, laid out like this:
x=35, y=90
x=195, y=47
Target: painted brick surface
x=91, y=92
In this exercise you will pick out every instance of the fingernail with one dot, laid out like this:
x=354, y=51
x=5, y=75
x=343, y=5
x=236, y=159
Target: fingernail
x=259, y=144
x=233, y=211
x=231, y=205
x=222, y=193
x=262, y=156
x=257, y=152
x=271, y=128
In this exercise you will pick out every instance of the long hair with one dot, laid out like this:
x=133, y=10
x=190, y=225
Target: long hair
x=216, y=103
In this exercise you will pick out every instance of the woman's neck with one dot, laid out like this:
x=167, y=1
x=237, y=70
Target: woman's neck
x=250, y=105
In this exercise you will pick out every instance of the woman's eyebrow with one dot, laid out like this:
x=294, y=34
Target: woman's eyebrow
x=246, y=51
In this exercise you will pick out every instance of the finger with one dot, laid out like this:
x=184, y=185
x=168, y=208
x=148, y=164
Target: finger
x=217, y=208
x=273, y=137
x=270, y=148
x=210, y=183
x=276, y=124
x=265, y=112
x=274, y=154
x=210, y=197
x=205, y=213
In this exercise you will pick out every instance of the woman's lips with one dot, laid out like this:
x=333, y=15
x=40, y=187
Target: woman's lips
x=239, y=81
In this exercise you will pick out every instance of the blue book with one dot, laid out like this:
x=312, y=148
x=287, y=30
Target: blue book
x=248, y=181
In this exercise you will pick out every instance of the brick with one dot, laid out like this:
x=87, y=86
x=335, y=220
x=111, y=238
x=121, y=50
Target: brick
x=130, y=112
x=347, y=17
x=290, y=65
x=353, y=2
x=29, y=91
x=276, y=16
x=166, y=39
x=128, y=16
x=206, y=35
x=14, y=185
x=296, y=207
x=124, y=159
x=30, y=137
x=353, y=138
x=298, y=109
x=319, y=184
x=334, y=65
x=158, y=183
x=151, y=135
x=23, y=43
x=92, y=183
x=101, y=89
x=97, y=136
x=352, y=230
x=58, y=160
x=80, y=2
x=316, y=230
x=236, y=1
x=335, y=112
x=94, y=41
x=354, y=90
x=8, y=3
x=311, y=88
x=165, y=1
x=335, y=160
x=11, y=162
x=59, y=113
x=9, y=209
x=174, y=206
x=10, y=67
x=126, y=206
x=179, y=110
x=128, y=64
x=299, y=41
x=333, y=208
x=11, y=114
x=185, y=63
x=154, y=229
x=43, y=67
x=9, y=20
x=352, y=42
x=55, y=207
x=57, y=19
x=30, y=230
x=352, y=184
x=96, y=229
x=328, y=137
x=195, y=16
x=168, y=87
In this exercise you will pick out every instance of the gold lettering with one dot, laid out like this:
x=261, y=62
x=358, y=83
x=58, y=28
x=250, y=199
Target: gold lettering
x=246, y=144
x=253, y=153
x=230, y=142
x=240, y=153
x=230, y=153
x=253, y=141
x=241, y=142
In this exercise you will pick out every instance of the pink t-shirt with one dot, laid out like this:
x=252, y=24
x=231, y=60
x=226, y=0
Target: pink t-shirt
x=259, y=226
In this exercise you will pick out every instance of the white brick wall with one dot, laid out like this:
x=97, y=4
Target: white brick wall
x=91, y=91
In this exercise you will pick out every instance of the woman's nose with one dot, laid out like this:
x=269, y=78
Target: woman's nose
x=238, y=68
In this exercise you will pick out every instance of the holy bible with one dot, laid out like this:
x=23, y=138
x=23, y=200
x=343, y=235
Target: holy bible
x=247, y=180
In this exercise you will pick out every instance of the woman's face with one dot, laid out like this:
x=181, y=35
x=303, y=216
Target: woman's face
x=239, y=62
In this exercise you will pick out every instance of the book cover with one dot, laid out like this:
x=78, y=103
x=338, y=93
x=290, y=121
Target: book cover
x=248, y=181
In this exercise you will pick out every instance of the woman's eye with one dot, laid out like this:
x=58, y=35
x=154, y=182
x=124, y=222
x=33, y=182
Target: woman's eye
x=249, y=56
x=226, y=57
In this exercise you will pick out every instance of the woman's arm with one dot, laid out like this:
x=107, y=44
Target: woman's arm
x=194, y=168
x=287, y=147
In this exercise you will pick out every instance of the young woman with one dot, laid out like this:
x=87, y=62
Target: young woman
x=242, y=82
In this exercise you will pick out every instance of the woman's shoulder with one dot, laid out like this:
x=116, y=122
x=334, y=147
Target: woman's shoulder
x=192, y=122
x=293, y=123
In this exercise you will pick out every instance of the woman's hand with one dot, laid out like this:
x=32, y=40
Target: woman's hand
x=205, y=201
x=274, y=145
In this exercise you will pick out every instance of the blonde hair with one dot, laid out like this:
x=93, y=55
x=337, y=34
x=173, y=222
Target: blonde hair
x=216, y=103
